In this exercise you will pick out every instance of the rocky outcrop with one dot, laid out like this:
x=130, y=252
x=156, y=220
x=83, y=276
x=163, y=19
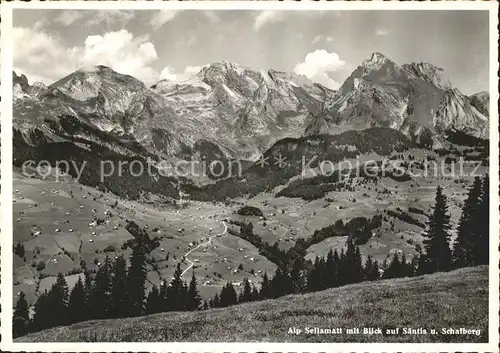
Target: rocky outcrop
x=413, y=98
x=481, y=101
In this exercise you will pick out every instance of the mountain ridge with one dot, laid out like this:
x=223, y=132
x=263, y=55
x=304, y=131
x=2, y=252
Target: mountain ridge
x=241, y=112
x=417, y=99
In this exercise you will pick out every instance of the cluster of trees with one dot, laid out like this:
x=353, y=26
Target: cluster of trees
x=333, y=271
x=114, y=292
x=19, y=250
x=472, y=245
x=359, y=229
x=174, y=296
x=250, y=211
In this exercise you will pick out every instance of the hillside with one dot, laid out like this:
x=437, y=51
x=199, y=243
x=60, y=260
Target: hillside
x=421, y=302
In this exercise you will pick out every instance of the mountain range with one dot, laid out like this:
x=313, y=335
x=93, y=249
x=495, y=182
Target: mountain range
x=229, y=111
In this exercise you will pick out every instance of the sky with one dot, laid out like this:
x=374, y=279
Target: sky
x=325, y=46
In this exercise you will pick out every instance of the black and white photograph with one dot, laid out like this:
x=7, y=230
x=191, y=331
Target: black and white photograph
x=223, y=173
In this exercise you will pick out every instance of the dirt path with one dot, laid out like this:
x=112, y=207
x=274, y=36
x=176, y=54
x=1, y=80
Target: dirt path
x=209, y=241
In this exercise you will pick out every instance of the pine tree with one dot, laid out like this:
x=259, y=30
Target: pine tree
x=297, y=276
x=255, y=293
x=42, y=318
x=88, y=287
x=357, y=265
x=468, y=228
x=153, y=302
x=336, y=269
x=58, y=301
x=265, y=289
x=216, y=301
x=407, y=269
x=394, y=268
x=375, y=273
x=19, y=250
x=438, y=253
x=119, y=290
x=404, y=270
x=76, y=306
x=100, y=298
x=343, y=267
x=228, y=296
x=163, y=296
x=281, y=284
x=352, y=263
x=246, y=295
x=329, y=271
x=136, y=279
x=21, y=318
x=322, y=275
x=194, y=299
x=482, y=245
x=314, y=276
x=371, y=270
x=177, y=292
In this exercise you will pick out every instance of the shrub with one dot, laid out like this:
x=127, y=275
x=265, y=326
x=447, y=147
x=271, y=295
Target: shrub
x=40, y=266
x=250, y=211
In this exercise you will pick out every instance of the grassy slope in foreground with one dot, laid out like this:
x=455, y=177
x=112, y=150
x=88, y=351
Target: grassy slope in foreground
x=443, y=300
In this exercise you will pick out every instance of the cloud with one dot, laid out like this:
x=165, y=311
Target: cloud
x=39, y=25
x=88, y=18
x=161, y=17
x=382, y=31
x=316, y=66
x=36, y=49
x=168, y=73
x=211, y=15
x=320, y=38
x=109, y=17
x=265, y=17
x=120, y=50
x=191, y=40
x=68, y=17
x=273, y=16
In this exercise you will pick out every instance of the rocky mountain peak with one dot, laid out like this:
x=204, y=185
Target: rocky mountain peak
x=411, y=98
x=376, y=61
x=481, y=101
x=88, y=82
x=22, y=81
x=429, y=73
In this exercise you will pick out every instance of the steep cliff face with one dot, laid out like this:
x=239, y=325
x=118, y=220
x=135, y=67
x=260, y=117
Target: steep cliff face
x=412, y=98
x=481, y=101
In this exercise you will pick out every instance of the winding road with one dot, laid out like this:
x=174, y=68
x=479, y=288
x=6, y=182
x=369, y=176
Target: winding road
x=209, y=241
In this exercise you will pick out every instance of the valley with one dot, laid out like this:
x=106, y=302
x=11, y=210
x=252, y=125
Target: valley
x=70, y=227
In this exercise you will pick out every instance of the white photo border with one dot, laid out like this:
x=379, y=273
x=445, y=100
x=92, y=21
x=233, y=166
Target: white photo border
x=6, y=240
